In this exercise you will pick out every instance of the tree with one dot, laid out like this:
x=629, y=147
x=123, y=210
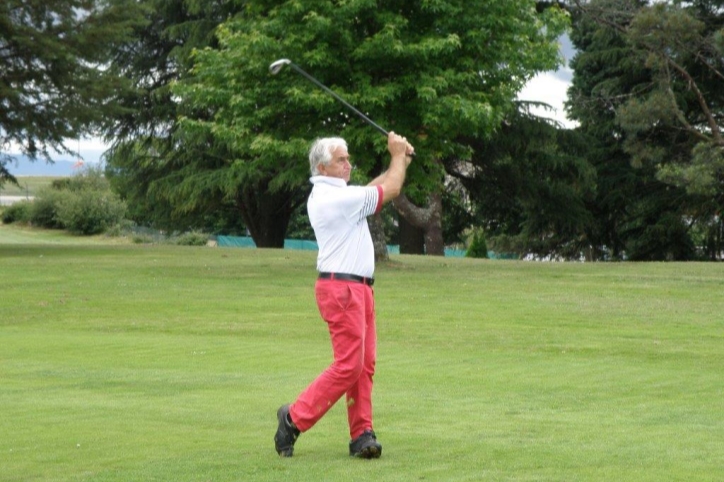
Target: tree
x=145, y=153
x=54, y=80
x=528, y=185
x=681, y=116
x=647, y=88
x=443, y=73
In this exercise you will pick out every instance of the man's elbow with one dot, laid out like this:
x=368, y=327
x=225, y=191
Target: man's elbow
x=390, y=192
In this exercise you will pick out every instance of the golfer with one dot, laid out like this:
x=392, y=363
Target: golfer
x=346, y=264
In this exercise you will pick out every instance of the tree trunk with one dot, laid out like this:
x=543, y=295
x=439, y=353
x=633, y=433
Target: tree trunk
x=412, y=238
x=429, y=219
x=266, y=214
x=377, y=230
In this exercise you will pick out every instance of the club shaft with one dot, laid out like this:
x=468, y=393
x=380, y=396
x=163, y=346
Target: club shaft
x=333, y=94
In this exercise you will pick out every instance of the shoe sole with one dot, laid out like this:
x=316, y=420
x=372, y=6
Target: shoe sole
x=369, y=453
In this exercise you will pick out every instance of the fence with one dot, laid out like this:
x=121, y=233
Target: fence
x=247, y=242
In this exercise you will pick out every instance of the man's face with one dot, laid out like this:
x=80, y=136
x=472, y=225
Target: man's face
x=339, y=166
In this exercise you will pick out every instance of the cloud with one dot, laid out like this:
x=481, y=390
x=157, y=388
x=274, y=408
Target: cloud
x=550, y=88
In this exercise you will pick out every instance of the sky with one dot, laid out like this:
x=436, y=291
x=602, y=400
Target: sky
x=552, y=87
x=548, y=87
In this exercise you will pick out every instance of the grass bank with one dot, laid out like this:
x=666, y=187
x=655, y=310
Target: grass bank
x=168, y=363
x=20, y=235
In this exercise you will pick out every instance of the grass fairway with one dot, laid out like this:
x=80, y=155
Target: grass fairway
x=28, y=185
x=121, y=363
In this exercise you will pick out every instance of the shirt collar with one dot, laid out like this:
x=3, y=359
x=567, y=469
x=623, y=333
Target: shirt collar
x=332, y=181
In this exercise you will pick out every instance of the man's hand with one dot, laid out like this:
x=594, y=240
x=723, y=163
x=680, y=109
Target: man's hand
x=398, y=145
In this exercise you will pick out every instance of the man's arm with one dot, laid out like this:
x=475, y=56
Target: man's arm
x=393, y=178
x=378, y=180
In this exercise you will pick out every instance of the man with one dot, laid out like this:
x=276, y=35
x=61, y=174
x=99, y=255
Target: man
x=346, y=263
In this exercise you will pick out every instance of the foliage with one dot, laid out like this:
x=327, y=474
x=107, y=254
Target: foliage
x=635, y=115
x=477, y=248
x=299, y=225
x=440, y=72
x=666, y=238
x=90, y=211
x=133, y=174
x=145, y=151
x=144, y=235
x=120, y=229
x=82, y=204
x=408, y=65
x=457, y=213
x=528, y=185
x=54, y=80
x=160, y=53
x=193, y=238
x=18, y=212
x=45, y=206
x=678, y=43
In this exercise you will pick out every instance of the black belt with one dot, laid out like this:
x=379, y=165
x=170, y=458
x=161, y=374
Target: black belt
x=347, y=277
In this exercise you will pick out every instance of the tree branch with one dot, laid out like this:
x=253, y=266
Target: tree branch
x=417, y=216
x=716, y=132
x=709, y=66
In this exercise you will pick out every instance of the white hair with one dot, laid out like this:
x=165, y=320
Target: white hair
x=321, y=152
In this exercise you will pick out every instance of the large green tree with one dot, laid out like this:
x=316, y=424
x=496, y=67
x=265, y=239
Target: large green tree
x=638, y=105
x=144, y=151
x=55, y=83
x=443, y=73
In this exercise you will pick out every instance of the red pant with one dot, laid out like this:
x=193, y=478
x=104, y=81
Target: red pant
x=349, y=310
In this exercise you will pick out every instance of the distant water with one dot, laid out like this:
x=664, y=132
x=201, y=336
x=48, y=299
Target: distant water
x=22, y=166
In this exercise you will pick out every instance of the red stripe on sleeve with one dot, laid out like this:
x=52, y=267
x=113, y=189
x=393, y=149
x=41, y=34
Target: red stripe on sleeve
x=379, y=199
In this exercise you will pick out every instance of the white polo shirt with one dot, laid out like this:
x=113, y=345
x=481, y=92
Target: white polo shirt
x=338, y=213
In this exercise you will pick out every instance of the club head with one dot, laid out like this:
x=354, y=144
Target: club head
x=275, y=67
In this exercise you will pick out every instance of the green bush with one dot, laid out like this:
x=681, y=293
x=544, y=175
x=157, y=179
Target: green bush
x=44, y=210
x=60, y=184
x=144, y=239
x=90, y=211
x=18, y=212
x=90, y=178
x=193, y=238
x=82, y=204
x=122, y=228
x=478, y=247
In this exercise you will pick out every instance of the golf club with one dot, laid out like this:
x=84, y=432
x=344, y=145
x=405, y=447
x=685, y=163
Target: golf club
x=275, y=67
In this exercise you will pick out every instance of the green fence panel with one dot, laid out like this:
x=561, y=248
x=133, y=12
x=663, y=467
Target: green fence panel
x=235, y=242
x=301, y=244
